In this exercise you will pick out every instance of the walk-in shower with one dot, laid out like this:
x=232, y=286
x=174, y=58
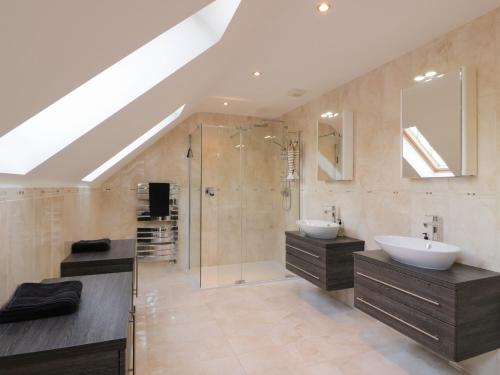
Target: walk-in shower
x=242, y=199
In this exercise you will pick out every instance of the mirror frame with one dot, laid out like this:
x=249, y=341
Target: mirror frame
x=347, y=118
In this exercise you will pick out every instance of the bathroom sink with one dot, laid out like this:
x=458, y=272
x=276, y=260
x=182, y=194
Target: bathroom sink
x=418, y=252
x=325, y=230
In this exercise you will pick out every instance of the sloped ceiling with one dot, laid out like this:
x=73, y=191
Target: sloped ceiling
x=50, y=47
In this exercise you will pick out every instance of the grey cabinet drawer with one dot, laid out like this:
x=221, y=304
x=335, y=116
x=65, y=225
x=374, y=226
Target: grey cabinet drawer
x=307, y=251
x=306, y=270
x=428, y=331
x=424, y=296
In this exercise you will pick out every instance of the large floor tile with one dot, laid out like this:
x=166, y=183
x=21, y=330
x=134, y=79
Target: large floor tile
x=287, y=327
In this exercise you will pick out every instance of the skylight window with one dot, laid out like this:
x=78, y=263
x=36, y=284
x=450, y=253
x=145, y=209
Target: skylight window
x=134, y=145
x=48, y=132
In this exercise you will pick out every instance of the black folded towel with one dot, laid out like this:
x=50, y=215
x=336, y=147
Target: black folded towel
x=91, y=245
x=36, y=300
x=159, y=199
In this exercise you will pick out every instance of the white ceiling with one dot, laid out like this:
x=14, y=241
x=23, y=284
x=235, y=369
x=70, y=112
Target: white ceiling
x=50, y=47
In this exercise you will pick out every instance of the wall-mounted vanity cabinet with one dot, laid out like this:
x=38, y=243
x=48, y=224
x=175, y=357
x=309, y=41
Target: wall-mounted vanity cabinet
x=439, y=125
x=335, y=147
x=327, y=264
x=455, y=313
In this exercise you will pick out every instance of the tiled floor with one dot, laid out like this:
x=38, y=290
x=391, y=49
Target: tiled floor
x=251, y=272
x=286, y=327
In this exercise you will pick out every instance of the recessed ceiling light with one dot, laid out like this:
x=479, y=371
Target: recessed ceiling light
x=440, y=76
x=335, y=114
x=257, y=73
x=430, y=73
x=419, y=78
x=226, y=104
x=324, y=7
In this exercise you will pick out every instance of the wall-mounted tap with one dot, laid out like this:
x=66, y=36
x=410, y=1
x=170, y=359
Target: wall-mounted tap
x=332, y=210
x=434, y=224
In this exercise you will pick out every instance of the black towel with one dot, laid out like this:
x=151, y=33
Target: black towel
x=91, y=245
x=159, y=198
x=36, y=300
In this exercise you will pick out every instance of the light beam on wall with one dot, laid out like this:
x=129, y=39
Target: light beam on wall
x=134, y=145
x=48, y=132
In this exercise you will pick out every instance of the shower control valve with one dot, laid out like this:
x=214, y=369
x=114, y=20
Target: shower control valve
x=210, y=191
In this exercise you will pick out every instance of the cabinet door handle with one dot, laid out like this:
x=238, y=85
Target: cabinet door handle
x=303, y=251
x=398, y=319
x=398, y=289
x=302, y=270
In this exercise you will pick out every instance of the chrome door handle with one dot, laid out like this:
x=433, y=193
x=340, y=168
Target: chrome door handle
x=398, y=289
x=303, y=251
x=302, y=270
x=436, y=338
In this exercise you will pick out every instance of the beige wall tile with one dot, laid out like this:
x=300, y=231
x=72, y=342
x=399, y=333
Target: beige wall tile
x=36, y=224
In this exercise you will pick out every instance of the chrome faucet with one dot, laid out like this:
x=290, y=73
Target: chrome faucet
x=333, y=211
x=434, y=224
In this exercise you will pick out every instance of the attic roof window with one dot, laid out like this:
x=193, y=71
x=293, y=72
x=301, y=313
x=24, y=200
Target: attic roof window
x=55, y=127
x=134, y=145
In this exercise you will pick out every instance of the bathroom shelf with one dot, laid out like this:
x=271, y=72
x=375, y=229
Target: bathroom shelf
x=157, y=236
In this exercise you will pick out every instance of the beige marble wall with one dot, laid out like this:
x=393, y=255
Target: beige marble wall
x=163, y=161
x=378, y=200
x=35, y=224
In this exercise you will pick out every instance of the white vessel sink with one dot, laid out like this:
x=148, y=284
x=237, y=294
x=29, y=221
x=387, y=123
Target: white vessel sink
x=418, y=252
x=322, y=229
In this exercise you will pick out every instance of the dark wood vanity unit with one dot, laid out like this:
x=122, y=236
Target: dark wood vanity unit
x=119, y=258
x=327, y=264
x=97, y=339
x=455, y=313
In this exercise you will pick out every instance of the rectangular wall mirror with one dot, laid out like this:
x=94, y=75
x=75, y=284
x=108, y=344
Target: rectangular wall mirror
x=439, y=125
x=335, y=153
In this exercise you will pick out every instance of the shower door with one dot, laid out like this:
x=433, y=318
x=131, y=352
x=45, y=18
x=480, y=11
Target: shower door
x=222, y=212
x=263, y=172
x=244, y=204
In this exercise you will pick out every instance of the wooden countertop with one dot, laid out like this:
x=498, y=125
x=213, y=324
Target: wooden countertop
x=458, y=274
x=339, y=241
x=101, y=322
